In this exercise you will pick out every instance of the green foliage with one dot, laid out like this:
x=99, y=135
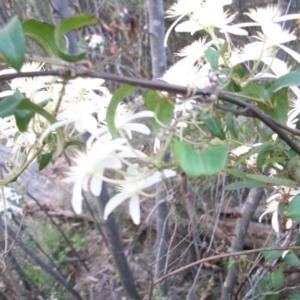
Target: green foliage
x=71, y=24
x=215, y=126
x=117, y=98
x=163, y=109
x=43, y=34
x=293, y=210
x=12, y=43
x=208, y=162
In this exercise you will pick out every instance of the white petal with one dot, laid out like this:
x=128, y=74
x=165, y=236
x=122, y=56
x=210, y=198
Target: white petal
x=96, y=186
x=275, y=222
x=141, y=128
x=114, y=202
x=77, y=197
x=291, y=52
x=134, y=209
x=188, y=26
x=234, y=30
x=90, y=124
x=111, y=162
x=141, y=114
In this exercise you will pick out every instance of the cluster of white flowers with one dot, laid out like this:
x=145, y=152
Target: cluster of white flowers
x=80, y=106
x=193, y=68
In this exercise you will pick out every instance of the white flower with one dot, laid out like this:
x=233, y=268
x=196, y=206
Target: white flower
x=132, y=188
x=89, y=167
x=273, y=202
x=272, y=33
x=210, y=15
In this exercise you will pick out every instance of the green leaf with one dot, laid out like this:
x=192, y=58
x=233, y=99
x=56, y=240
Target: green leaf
x=12, y=43
x=43, y=34
x=293, y=210
x=9, y=104
x=212, y=57
x=266, y=147
x=23, y=118
x=26, y=104
x=45, y=159
x=292, y=259
x=230, y=263
x=277, y=278
x=208, y=162
x=254, y=90
x=67, y=25
x=281, y=102
x=118, y=97
x=236, y=173
x=245, y=184
x=163, y=109
x=269, y=255
x=274, y=180
x=215, y=126
x=273, y=297
x=298, y=240
x=291, y=79
x=294, y=297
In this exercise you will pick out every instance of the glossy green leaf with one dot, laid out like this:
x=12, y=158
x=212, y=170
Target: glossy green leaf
x=291, y=79
x=12, y=43
x=209, y=162
x=266, y=147
x=23, y=118
x=117, y=98
x=67, y=25
x=9, y=104
x=248, y=183
x=212, y=57
x=236, y=173
x=293, y=210
x=215, y=126
x=26, y=104
x=43, y=34
x=281, y=102
x=269, y=255
x=292, y=259
x=274, y=180
x=277, y=278
x=254, y=90
x=45, y=159
x=163, y=108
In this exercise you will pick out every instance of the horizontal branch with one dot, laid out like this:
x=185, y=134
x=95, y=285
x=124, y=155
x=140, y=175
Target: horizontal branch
x=222, y=256
x=164, y=86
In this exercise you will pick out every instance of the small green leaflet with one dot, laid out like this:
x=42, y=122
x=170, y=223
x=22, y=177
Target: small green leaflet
x=291, y=79
x=12, y=43
x=67, y=25
x=117, y=98
x=292, y=259
x=215, y=126
x=274, y=180
x=209, y=162
x=43, y=34
x=269, y=255
x=293, y=210
x=213, y=57
x=163, y=109
x=45, y=159
x=9, y=104
x=248, y=183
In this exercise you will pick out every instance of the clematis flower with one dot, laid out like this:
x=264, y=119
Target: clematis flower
x=273, y=202
x=131, y=189
x=272, y=34
x=87, y=172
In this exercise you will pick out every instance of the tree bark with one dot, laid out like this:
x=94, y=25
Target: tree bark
x=241, y=230
x=159, y=65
